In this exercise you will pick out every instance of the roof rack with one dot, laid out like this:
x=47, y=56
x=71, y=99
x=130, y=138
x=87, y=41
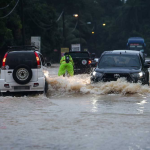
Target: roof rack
x=19, y=48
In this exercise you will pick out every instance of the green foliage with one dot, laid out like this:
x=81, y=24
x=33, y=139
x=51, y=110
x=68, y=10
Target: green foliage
x=45, y=19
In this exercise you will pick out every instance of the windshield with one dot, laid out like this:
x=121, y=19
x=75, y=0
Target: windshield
x=119, y=61
x=136, y=47
x=80, y=55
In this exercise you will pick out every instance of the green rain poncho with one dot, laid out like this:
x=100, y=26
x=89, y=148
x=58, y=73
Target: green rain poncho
x=66, y=66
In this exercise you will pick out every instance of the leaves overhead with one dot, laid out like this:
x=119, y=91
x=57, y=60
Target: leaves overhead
x=53, y=20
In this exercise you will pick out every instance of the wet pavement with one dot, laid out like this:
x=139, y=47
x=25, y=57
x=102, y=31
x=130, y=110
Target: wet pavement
x=77, y=115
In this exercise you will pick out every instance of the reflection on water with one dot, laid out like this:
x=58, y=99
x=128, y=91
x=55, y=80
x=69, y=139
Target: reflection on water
x=142, y=104
x=94, y=105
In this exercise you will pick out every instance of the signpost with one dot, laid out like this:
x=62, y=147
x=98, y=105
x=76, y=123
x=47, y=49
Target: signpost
x=36, y=41
x=75, y=47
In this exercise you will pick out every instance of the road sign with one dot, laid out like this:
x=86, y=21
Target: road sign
x=75, y=47
x=36, y=41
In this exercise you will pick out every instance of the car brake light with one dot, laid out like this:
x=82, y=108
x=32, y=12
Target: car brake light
x=38, y=60
x=4, y=61
x=35, y=84
x=89, y=62
x=6, y=85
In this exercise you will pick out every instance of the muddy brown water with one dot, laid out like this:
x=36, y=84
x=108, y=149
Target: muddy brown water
x=77, y=115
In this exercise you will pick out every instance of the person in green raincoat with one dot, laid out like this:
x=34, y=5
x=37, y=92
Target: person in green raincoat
x=66, y=64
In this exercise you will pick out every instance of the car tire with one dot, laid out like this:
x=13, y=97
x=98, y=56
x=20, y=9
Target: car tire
x=148, y=79
x=45, y=89
x=75, y=72
x=89, y=70
x=22, y=74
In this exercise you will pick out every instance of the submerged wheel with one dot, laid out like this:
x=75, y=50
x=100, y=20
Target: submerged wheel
x=46, y=87
x=148, y=79
x=22, y=74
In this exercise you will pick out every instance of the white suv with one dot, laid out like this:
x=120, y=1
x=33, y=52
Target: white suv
x=23, y=71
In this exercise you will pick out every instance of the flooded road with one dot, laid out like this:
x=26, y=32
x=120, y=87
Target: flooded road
x=77, y=115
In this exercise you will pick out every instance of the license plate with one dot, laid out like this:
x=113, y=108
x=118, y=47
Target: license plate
x=21, y=87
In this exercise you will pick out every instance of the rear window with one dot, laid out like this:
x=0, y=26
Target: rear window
x=79, y=55
x=17, y=58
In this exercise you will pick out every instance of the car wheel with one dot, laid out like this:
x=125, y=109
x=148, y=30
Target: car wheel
x=148, y=79
x=75, y=72
x=46, y=87
x=89, y=70
x=22, y=74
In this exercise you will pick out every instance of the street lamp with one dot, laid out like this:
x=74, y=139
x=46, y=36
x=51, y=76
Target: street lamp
x=77, y=16
x=104, y=24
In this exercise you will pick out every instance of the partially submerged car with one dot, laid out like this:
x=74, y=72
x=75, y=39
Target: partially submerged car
x=82, y=61
x=23, y=71
x=121, y=64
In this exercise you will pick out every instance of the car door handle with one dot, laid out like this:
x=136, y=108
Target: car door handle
x=9, y=71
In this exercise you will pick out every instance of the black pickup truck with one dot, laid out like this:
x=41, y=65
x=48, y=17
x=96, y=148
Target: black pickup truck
x=82, y=61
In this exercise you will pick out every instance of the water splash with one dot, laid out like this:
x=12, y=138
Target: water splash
x=62, y=85
x=81, y=84
x=121, y=86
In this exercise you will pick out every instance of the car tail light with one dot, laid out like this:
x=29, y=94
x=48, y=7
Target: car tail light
x=4, y=61
x=36, y=84
x=38, y=60
x=6, y=85
x=89, y=62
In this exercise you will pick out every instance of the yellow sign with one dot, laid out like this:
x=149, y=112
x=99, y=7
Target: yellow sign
x=64, y=50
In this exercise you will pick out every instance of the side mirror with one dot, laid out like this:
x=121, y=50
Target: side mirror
x=48, y=64
x=93, y=56
x=93, y=64
x=147, y=64
x=142, y=50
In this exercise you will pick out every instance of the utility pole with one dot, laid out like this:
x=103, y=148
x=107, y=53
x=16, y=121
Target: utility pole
x=79, y=29
x=64, y=35
x=95, y=40
x=22, y=20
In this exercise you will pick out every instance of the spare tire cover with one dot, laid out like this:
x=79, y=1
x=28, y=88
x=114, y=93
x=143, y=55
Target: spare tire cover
x=22, y=74
x=84, y=62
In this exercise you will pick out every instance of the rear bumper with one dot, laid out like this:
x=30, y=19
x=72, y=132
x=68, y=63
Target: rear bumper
x=15, y=87
x=82, y=69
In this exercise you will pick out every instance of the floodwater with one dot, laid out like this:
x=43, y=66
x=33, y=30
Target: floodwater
x=77, y=115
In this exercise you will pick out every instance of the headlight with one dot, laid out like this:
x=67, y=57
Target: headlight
x=141, y=74
x=137, y=75
x=97, y=74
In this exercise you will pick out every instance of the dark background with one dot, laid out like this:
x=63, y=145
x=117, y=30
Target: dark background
x=53, y=20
